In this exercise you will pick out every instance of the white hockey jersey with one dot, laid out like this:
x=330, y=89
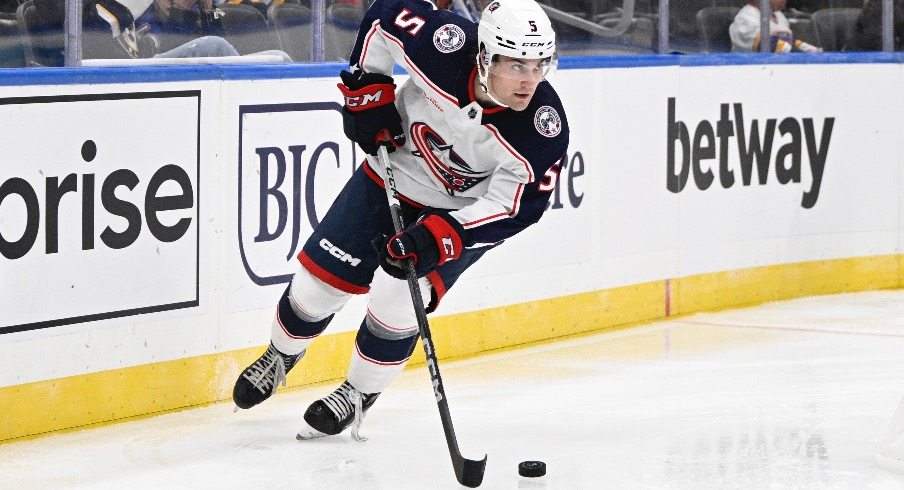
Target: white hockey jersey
x=745, y=33
x=495, y=167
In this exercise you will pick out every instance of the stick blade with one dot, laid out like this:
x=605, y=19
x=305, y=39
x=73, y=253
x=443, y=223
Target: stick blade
x=470, y=472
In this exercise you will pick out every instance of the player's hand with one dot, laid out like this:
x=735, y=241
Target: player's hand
x=370, y=115
x=433, y=240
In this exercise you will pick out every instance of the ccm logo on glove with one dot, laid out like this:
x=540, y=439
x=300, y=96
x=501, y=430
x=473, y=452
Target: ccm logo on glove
x=371, y=96
x=370, y=117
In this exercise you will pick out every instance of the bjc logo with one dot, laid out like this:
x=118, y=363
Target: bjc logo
x=287, y=180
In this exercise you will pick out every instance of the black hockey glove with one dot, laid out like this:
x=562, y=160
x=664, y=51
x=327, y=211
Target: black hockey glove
x=433, y=240
x=370, y=117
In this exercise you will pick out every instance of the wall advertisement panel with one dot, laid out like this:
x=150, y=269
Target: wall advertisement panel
x=100, y=219
x=704, y=171
x=157, y=230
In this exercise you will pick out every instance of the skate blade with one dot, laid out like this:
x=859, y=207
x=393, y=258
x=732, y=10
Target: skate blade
x=889, y=463
x=308, y=434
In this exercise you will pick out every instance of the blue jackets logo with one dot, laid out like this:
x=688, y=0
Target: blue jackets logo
x=449, y=38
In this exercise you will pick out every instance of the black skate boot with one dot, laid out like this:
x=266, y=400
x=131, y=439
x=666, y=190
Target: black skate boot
x=258, y=381
x=333, y=413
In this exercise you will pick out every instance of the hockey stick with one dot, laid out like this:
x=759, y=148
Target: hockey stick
x=468, y=472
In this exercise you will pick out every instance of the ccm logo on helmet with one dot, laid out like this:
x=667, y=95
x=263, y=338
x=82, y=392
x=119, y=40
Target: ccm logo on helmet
x=363, y=100
x=533, y=45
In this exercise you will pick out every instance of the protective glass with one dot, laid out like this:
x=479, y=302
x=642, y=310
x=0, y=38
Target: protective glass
x=522, y=70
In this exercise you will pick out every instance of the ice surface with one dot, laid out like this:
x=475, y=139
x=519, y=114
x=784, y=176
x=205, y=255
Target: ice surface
x=785, y=395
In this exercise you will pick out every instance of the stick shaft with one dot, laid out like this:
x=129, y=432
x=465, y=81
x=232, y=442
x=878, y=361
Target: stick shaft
x=468, y=472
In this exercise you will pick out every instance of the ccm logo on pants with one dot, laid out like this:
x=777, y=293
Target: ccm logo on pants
x=338, y=253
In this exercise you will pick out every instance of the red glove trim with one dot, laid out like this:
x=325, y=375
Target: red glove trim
x=447, y=240
x=376, y=95
x=407, y=255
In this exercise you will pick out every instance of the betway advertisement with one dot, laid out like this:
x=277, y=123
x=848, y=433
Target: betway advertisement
x=720, y=168
x=98, y=219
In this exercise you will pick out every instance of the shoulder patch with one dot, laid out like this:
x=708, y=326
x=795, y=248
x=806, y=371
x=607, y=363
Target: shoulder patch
x=548, y=122
x=449, y=38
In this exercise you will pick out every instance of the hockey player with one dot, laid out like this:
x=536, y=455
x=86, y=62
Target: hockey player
x=477, y=138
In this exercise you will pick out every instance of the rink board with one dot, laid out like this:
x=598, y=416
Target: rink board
x=140, y=270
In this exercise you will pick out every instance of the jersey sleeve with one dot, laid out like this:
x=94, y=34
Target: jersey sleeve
x=523, y=182
x=745, y=33
x=389, y=29
x=744, y=30
x=488, y=221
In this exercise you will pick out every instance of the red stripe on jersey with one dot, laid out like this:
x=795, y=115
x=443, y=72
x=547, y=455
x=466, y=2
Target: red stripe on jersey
x=515, y=206
x=379, y=181
x=415, y=70
x=527, y=168
x=381, y=363
x=323, y=275
x=487, y=219
x=370, y=34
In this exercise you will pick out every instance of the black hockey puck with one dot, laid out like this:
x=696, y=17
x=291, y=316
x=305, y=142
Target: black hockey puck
x=532, y=469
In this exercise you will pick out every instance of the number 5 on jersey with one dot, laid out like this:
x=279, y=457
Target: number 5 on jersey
x=409, y=22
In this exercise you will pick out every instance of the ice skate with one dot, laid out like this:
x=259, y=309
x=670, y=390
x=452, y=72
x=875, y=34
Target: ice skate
x=890, y=458
x=259, y=380
x=890, y=450
x=335, y=412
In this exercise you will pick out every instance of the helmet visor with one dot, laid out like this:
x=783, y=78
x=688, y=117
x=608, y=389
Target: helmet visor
x=522, y=70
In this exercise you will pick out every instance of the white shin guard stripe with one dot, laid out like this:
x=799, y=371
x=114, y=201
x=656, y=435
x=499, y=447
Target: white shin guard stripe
x=383, y=331
x=286, y=343
x=303, y=313
x=370, y=376
x=407, y=330
x=312, y=299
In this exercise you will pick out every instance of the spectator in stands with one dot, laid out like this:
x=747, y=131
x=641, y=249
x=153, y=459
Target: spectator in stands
x=161, y=28
x=867, y=35
x=745, y=31
x=146, y=28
